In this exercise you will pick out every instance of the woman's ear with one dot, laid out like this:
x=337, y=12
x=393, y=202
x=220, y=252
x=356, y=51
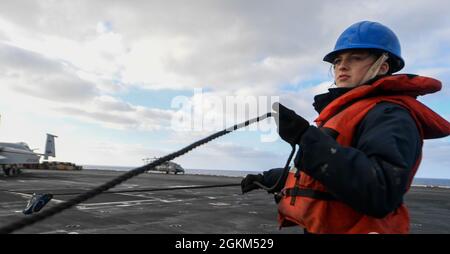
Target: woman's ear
x=384, y=69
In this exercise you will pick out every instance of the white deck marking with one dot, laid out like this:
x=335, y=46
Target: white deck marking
x=28, y=196
x=91, y=206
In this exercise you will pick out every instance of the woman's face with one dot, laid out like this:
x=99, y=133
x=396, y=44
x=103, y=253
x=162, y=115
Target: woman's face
x=350, y=67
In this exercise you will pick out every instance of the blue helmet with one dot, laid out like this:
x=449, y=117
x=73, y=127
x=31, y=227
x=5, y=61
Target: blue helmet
x=370, y=35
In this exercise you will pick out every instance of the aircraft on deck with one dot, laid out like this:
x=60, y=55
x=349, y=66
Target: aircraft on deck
x=168, y=167
x=15, y=156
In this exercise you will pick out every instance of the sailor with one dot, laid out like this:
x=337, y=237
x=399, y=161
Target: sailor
x=353, y=170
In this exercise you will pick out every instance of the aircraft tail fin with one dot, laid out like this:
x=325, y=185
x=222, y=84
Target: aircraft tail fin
x=50, y=146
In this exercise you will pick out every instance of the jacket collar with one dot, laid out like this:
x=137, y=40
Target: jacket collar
x=322, y=100
x=400, y=84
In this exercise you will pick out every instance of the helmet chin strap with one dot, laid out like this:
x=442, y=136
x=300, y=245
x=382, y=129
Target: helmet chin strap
x=374, y=69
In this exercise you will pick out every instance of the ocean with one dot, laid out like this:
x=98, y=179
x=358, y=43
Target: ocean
x=428, y=182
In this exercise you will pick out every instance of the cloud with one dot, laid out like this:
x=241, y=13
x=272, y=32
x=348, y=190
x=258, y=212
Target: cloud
x=121, y=116
x=227, y=46
x=108, y=103
x=101, y=117
x=231, y=157
x=33, y=74
x=222, y=45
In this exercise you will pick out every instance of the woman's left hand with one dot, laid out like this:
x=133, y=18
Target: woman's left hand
x=290, y=125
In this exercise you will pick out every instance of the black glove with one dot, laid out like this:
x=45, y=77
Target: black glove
x=247, y=183
x=318, y=148
x=290, y=125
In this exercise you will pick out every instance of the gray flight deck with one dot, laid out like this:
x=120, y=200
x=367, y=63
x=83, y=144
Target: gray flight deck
x=221, y=210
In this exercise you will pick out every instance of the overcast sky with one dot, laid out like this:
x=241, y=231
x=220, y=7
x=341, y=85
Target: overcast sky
x=103, y=75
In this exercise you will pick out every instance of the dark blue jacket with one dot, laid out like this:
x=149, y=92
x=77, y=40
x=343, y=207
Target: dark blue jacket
x=371, y=176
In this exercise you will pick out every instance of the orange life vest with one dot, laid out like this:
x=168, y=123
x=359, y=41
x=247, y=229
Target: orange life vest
x=310, y=207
